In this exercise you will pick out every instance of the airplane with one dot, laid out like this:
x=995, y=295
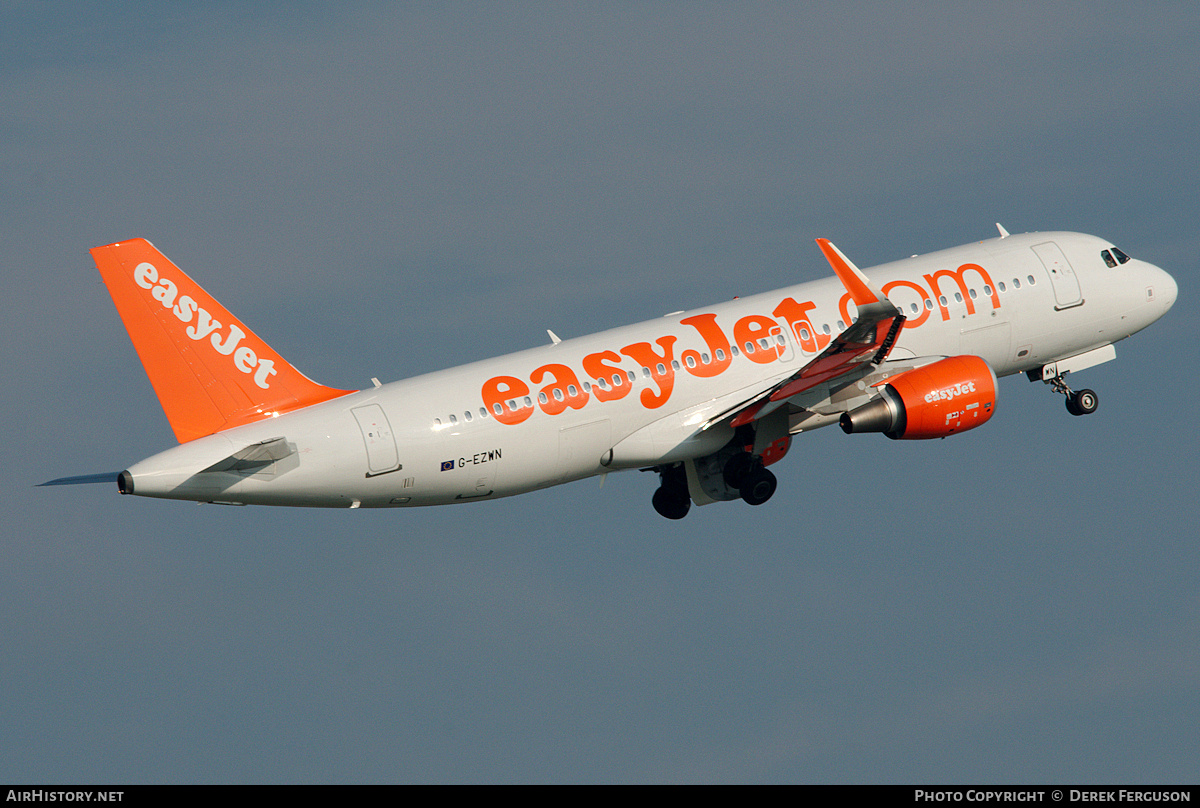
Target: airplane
x=707, y=399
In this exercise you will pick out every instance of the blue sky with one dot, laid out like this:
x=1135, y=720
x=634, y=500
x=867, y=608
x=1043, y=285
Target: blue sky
x=385, y=191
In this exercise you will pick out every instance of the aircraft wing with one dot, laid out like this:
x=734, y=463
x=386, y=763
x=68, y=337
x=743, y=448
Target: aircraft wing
x=857, y=350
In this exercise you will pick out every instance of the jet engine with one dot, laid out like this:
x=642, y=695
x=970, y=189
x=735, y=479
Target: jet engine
x=935, y=401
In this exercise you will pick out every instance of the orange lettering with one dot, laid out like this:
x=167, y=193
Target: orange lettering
x=843, y=307
x=752, y=328
x=501, y=389
x=715, y=339
x=643, y=352
x=912, y=322
x=958, y=276
x=559, y=395
x=593, y=365
x=796, y=315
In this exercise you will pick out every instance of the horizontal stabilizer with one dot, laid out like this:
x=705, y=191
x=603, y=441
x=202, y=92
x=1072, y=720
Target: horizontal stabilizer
x=253, y=457
x=84, y=479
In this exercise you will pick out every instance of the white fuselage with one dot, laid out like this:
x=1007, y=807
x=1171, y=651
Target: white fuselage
x=540, y=417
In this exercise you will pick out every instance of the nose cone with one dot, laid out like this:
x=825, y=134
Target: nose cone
x=1166, y=290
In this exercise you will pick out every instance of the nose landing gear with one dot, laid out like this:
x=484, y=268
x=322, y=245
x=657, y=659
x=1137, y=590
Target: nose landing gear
x=1079, y=402
x=1082, y=402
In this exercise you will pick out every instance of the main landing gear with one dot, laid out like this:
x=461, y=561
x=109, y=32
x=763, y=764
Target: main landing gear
x=727, y=475
x=735, y=471
x=1079, y=402
x=671, y=499
x=745, y=473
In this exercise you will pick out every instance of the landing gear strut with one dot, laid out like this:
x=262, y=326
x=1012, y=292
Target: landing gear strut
x=1079, y=402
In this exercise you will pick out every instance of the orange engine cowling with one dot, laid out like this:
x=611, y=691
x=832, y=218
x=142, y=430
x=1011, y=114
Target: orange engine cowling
x=934, y=401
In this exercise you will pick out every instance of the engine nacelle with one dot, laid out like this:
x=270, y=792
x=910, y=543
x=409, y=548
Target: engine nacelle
x=934, y=401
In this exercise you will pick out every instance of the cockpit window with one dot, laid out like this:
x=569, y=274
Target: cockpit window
x=1108, y=259
x=1121, y=257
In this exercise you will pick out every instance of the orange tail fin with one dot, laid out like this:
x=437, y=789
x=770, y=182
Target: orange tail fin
x=209, y=370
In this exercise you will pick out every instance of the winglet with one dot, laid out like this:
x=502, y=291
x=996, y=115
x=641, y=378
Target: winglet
x=210, y=371
x=851, y=276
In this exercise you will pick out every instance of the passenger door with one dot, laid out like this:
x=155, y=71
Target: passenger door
x=1062, y=276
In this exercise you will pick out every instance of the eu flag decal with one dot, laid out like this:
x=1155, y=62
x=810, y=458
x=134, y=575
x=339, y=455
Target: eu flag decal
x=448, y=465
